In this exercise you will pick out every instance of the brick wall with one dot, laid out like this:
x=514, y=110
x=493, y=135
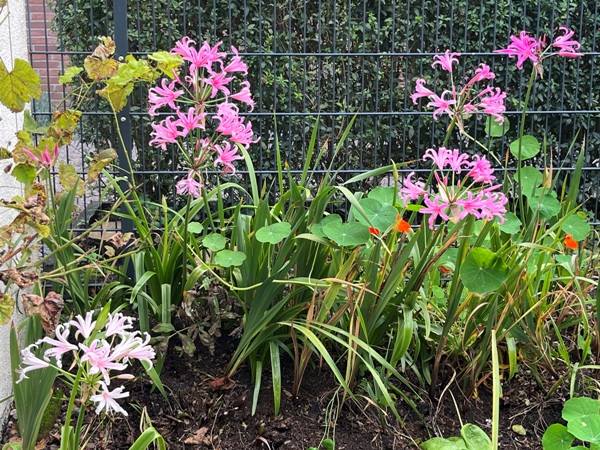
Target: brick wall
x=42, y=44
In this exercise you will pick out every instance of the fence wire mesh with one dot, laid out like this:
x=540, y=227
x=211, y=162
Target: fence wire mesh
x=334, y=60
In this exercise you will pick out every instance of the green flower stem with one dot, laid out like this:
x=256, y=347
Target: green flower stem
x=66, y=426
x=186, y=221
x=521, y=132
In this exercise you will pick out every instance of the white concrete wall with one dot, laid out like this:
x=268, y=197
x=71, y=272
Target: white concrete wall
x=13, y=44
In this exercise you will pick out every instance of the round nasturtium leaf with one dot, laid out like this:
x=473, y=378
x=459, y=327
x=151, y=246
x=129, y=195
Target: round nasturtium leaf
x=511, y=225
x=577, y=227
x=586, y=428
x=483, y=271
x=195, y=227
x=579, y=407
x=386, y=195
x=475, y=437
x=274, y=233
x=547, y=205
x=495, y=129
x=228, y=258
x=530, y=147
x=214, y=242
x=382, y=217
x=530, y=178
x=557, y=437
x=438, y=443
x=317, y=228
x=347, y=234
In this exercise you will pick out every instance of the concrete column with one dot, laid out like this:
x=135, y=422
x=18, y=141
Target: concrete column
x=13, y=44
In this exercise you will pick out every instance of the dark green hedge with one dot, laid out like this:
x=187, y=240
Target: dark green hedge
x=290, y=47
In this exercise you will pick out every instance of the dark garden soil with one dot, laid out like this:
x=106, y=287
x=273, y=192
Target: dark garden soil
x=203, y=413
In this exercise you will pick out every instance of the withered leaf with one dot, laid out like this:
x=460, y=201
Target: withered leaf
x=21, y=279
x=199, y=437
x=221, y=384
x=99, y=162
x=49, y=309
x=119, y=239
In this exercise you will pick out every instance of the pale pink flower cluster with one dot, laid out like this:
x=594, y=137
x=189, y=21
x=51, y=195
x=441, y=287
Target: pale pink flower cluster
x=463, y=101
x=203, y=104
x=526, y=48
x=96, y=351
x=464, y=187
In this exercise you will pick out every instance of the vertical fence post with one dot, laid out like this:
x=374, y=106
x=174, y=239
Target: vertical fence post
x=124, y=146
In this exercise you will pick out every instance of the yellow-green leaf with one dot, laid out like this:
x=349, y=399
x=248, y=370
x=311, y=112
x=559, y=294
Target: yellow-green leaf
x=70, y=73
x=99, y=162
x=166, y=62
x=7, y=306
x=18, y=86
x=64, y=124
x=116, y=95
x=24, y=173
x=69, y=178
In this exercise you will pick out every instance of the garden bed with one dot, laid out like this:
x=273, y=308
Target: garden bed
x=198, y=414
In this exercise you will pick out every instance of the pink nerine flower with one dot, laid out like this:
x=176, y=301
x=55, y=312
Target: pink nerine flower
x=442, y=104
x=244, y=95
x=30, y=362
x=455, y=199
x=165, y=132
x=46, y=157
x=107, y=400
x=236, y=64
x=481, y=73
x=435, y=207
x=227, y=155
x=446, y=60
x=481, y=170
x=190, y=186
x=118, y=324
x=159, y=97
x=410, y=190
x=60, y=345
x=523, y=47
x=203, y=58
x=219, y=82
x=190, y=121
x=421, y=91
x=84, y=326
x=567, y=47
x=98, y=354
x=492, y=102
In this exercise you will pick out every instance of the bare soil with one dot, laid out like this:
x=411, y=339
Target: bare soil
x=202, y=413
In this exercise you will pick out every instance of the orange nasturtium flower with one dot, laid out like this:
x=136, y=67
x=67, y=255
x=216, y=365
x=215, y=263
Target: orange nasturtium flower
x=570, y=242
x=402, y=225
x=445, y=269
x=374, y=231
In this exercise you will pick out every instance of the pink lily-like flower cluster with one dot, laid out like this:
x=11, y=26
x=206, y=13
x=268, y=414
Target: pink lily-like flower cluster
x=96, y=351
x=462, y=102
x=526, y=48
x=46, y=159
x=202, y=104
x=457, y=197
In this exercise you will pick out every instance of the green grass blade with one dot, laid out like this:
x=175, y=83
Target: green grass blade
x=149, y=436
x=276, y=374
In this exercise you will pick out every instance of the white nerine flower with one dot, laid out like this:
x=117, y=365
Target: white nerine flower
x=107, y=399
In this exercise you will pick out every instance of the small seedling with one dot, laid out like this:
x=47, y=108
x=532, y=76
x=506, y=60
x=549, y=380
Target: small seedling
x=326, y=444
